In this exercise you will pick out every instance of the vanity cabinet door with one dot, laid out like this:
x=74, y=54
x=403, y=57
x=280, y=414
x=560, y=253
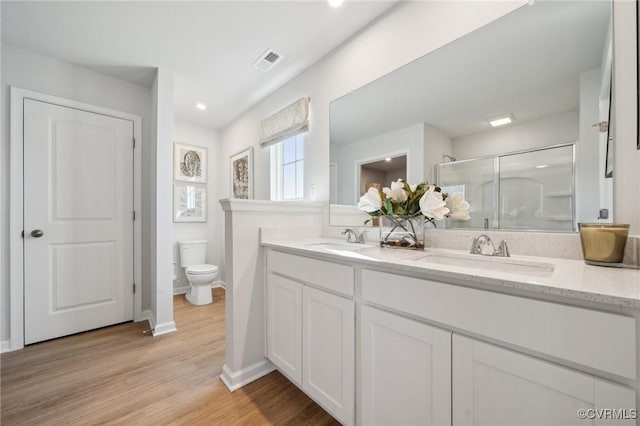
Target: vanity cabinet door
x=284, y=325
x=496, y=386
x=405, y=371
x=328, y=352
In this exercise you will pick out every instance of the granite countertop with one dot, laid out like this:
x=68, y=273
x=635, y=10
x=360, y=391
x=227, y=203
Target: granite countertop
x=559, y=277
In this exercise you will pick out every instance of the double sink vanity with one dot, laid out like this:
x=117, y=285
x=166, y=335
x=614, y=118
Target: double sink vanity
x=391, y=336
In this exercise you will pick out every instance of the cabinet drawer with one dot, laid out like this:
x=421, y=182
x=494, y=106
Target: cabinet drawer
x=327, y=275
x=595, y=339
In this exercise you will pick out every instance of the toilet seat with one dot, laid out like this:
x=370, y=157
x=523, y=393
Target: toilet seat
x=201, y=269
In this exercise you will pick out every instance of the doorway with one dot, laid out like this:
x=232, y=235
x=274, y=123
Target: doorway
x=75, y=209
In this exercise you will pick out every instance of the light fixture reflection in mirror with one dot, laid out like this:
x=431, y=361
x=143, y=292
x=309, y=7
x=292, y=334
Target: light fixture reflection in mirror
x=551, y=71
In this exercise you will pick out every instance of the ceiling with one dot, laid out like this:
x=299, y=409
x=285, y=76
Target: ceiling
x=527, y=63
x=209, y=45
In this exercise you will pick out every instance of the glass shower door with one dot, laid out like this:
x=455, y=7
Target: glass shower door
x=476, y=180
x=536, y=190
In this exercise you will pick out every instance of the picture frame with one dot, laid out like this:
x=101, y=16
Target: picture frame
x=189, y=163
x=189, y=202
x=241, y=174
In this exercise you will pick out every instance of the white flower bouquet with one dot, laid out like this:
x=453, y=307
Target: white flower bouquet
x=406, y=207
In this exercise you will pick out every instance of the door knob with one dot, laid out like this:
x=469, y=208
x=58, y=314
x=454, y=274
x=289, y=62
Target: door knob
x=37, y=233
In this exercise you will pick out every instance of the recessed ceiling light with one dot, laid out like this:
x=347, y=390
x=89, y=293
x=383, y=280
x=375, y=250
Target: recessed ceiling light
x=542, y=166
x=335, y=3
x=501, y=121
x=201, y=106
x=387, y=159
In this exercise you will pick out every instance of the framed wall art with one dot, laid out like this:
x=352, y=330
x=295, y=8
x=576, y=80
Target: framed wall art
x=189, y=163
x=241, y=166
x=189, y=202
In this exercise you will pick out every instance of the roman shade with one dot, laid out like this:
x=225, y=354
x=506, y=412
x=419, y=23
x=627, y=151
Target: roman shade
x=289, y=121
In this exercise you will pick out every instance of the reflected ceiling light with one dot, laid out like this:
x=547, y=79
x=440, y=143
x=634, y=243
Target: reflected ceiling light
x=387, y=159
x=501, y=121
x=201, y=106
x=542, y=166
x=335, y=3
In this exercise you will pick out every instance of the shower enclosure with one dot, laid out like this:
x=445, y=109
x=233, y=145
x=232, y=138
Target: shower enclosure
x=525, y=190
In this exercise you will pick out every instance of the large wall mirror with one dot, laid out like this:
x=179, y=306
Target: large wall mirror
x=547, y=67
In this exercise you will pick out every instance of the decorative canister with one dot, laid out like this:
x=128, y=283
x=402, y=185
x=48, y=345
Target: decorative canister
x=603, y=244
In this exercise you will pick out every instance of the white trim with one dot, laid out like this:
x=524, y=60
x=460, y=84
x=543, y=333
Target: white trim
x=379, y=157
x=164, y=328
x=177, y=291
x=16, y=262
x=265, y=206
x=236, y=380
x=184, y=289
x=5, y=346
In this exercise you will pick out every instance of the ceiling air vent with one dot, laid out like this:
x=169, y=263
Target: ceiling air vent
x=267, y=60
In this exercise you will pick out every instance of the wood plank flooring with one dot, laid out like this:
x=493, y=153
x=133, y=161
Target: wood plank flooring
x=118, y=375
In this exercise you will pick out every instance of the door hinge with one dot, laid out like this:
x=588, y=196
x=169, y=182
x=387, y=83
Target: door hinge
x=603, y=126
x=133, y=215
x=134, y=288
x=134, y=143
x=22, y=234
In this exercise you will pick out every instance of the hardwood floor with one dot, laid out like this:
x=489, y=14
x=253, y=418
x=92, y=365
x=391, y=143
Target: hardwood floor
x=118, y=375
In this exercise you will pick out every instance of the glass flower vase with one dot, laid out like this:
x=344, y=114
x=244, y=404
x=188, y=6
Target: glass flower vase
x=402, y=231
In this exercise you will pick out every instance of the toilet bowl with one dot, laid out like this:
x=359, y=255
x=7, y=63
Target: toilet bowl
x=200, y=279
x=200, y=275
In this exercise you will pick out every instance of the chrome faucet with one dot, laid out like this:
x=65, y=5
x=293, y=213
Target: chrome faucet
x=484, y=246
x=353, y=236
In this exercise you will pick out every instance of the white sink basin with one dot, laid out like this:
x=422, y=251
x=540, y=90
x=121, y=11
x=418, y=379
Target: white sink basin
x=340, y=246
x=497, y=264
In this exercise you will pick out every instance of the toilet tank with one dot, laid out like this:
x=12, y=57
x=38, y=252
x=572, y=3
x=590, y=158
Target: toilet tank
x=193, y=252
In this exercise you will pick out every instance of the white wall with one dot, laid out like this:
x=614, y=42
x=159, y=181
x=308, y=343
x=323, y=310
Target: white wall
x=436, y=144
x=244, y=359
x=626, y=190
x=553, y=130
x=43, y=74
x=162, y=206
x=409, y=140
x=196, y=134
x=407, y=32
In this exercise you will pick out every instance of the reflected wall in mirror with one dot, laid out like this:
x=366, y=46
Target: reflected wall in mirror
x=548, y=66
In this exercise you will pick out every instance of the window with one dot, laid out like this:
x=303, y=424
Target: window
x=287, y=169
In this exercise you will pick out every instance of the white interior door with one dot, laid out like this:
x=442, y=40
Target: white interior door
x=78, y=191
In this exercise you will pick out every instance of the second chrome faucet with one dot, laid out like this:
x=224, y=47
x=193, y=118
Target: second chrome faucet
x=353, y=236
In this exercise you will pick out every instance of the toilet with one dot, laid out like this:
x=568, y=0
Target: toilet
x=193, y=254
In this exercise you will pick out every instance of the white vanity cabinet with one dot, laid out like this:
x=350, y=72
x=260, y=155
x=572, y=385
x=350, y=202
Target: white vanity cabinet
x=310, y=331
x=405, y=371
x=493, y=385
x=284, y=325
x=375, y=344
x=328, y=355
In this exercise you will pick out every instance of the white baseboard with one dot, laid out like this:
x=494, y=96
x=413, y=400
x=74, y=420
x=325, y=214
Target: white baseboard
x=180, y=290
x=5, y=346
x=158, y=329
x=185, y=289
x=236, y=380
x=164, y=328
